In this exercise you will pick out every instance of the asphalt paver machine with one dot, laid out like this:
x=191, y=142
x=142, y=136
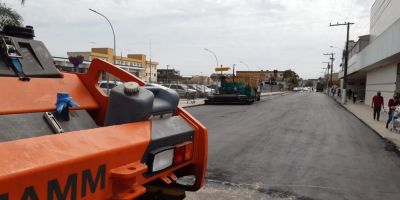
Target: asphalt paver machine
x=62, y=137
x=243, y=91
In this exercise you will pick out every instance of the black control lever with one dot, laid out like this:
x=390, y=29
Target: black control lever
x=12, y=55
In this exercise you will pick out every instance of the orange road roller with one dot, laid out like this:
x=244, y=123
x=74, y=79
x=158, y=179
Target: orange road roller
x=62, y=137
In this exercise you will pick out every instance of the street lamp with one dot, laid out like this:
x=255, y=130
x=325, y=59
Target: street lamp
x=107, y=76
x=334, y=47
x=248, y=68
x=215, y=56
x=216, y=59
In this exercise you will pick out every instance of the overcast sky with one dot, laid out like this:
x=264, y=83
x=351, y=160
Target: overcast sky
x=265, y=34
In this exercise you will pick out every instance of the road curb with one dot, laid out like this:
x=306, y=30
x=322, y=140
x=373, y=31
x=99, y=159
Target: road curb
x=188, y=106
x=274, y=94
x=195, y=105
x=390, y=146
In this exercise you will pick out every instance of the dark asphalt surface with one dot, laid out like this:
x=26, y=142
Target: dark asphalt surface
x=300, y=145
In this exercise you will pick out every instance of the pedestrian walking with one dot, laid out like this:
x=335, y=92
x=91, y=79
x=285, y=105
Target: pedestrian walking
x=392, y=104
x=355, y=95
x=377, y=105
x=349, y=93
x=338, y=92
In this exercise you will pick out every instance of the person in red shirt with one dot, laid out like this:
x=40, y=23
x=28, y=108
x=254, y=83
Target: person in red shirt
x=392, y=104
x=377, y=105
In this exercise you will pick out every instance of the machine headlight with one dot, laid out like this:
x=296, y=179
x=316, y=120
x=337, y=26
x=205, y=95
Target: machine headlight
x=163, y=160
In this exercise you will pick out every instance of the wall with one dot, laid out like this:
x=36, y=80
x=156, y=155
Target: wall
x=382, y=79
x=146, y=73
x=383, y=14
x=385, y=46
x=358, y=87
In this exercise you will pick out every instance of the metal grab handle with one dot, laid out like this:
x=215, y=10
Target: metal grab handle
x=90, y=80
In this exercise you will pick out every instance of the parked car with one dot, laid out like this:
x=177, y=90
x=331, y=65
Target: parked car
x=183, y=90
x=202, y=90
x=198, y=90
x=205, y=89
x=156, y=85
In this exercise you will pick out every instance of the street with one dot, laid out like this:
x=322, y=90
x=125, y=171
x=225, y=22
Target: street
x=294, y=146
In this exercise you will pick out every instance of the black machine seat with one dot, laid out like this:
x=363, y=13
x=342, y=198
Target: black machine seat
x=165, y=100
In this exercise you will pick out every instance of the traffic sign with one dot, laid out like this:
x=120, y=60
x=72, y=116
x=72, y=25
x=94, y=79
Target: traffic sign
x=222, y=69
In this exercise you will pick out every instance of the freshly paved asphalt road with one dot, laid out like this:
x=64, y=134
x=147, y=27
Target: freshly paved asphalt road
x=297, y=146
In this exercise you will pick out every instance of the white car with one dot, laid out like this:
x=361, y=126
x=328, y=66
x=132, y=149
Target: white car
x=204, y=89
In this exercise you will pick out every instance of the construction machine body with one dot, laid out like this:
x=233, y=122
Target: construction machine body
x=95, y=154
x=237, y=90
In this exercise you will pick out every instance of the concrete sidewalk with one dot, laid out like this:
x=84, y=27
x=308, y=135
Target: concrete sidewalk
x=191, y=102
x=365, y=114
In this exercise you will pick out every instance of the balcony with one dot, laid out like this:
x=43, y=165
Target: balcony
x=383, y=50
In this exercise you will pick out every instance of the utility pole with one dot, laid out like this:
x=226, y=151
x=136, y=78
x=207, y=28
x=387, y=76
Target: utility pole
x=346, y=58
x=327, y=75
x=167, y=74
x=150, y=63
x=233, y=73
x=120, y=59
x=332, y=59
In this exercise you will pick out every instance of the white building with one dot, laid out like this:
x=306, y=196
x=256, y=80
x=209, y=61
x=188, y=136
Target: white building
x=374, y=61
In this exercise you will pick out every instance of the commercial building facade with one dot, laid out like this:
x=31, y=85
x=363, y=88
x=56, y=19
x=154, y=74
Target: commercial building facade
x=168, y=76
x=262, y=75
x=136, y=64
x=374, y=60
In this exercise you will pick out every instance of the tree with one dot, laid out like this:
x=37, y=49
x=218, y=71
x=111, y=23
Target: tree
x=8, y=16
x=291, y=78
x=76, y=61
